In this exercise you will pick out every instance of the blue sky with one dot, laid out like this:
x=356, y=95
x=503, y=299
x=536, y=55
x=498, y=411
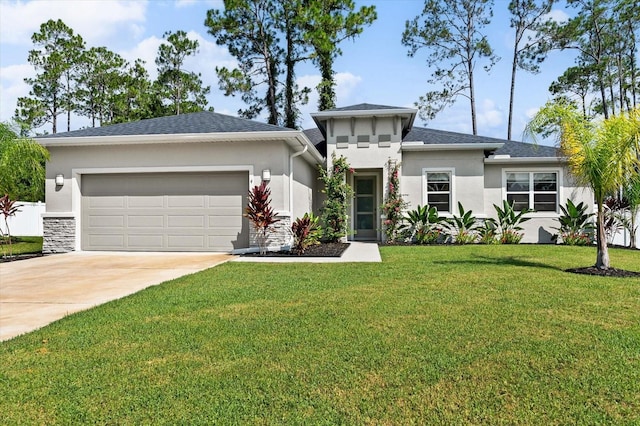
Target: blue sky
x=374, y=68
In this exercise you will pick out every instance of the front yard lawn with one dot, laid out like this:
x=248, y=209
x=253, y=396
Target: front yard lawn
x=433, y=335
x=21, y=245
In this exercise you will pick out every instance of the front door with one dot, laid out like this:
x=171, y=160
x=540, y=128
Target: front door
x=365, y=208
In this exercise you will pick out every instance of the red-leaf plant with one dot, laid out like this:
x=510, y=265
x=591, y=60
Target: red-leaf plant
x=8, y=208
x=261, y=214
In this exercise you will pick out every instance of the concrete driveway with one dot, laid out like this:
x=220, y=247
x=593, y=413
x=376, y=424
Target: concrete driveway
x=36, y=292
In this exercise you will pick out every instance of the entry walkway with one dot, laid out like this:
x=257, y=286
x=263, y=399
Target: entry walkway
x=36, y=292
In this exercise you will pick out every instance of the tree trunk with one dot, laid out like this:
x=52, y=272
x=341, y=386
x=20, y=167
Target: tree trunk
x=289, y=110
x=514, y=67
x=325, y=88
x=602, y=258
x=472, y=98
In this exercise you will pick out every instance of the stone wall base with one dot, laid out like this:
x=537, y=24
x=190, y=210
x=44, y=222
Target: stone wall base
x=59, y=234
x=280, y=239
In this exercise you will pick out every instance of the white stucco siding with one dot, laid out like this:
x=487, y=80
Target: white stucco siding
x=305, y=184
x=540, y=228
x=467, y=170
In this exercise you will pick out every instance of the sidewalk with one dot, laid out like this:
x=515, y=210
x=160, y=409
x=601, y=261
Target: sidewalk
x=357, y=252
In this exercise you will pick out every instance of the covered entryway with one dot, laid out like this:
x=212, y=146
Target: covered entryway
x=175, y=211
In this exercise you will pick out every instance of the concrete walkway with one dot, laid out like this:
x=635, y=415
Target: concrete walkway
x=36, y=292
x=357, y=252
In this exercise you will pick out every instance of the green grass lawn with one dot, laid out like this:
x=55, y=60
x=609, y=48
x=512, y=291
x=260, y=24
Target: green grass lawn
x=433, y=335
x=22, y=245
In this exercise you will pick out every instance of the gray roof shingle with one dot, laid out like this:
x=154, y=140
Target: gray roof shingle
x=364, y=107
x=197, y=122
x=523, y=149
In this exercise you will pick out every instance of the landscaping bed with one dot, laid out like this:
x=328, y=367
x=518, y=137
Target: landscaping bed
x=316, y=250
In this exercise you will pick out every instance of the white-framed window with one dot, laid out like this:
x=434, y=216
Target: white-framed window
x=536, y=189
x=438, y=188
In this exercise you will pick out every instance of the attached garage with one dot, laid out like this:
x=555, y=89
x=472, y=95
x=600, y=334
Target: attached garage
x=164, y=211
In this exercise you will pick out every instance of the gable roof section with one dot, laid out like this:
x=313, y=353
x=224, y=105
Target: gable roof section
x=192, y=123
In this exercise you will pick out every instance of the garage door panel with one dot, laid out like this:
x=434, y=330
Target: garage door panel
x=185, y=241
x=186, y=201
x=106, y=241
x=145, y=241
x=145, y=202
x=186, y=221
x=165, y=211
x=107, y=202
x=145, y=221
x=225, y=221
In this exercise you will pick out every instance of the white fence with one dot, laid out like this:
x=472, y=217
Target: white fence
x=27, y=222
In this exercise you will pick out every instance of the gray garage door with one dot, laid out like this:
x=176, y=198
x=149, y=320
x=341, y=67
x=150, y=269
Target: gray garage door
x=164, y=211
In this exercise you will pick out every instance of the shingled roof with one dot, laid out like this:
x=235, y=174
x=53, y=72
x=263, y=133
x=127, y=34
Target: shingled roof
x=364, y=107
x=197, y=122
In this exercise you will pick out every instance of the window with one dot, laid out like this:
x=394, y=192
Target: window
x=438, y=189
x=533, y=190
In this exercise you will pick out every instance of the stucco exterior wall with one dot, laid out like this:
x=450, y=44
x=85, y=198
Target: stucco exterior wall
x=305, y=185
x=467, y=169
x=540, y=228
x=256, y=155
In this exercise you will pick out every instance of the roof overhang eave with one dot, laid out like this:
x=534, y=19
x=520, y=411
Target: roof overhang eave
x=527, y=160
x=420, y=146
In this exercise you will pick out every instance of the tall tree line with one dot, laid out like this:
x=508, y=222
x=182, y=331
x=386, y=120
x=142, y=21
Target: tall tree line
x=101, y=85
x=269, y=38
x=605, y=79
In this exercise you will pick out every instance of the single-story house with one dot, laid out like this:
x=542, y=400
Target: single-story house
x=180, y=183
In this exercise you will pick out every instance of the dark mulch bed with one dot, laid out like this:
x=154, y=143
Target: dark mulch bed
x=318, y=250
x=17, y=257
x=611, y=272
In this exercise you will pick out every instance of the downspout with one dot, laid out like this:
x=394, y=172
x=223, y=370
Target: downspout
x=291, y=157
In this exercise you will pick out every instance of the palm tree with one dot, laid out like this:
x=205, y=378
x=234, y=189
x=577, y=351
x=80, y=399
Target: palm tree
x=603, y=155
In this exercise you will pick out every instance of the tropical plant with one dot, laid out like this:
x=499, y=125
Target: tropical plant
x=22, y=166
x=488, y=232
x=261, y=214
x=603, y=155
x=462, y=229
x=306, y=232
x=509, y=222
x=615, y=212
x=631, y=193
x=334, y=216
x=393, y=204
x=576, y=226
x=8, y=208
x=425, y=225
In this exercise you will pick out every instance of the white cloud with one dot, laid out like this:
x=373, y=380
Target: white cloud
x=488, y=115
x=346, y=84
x=146, y=50
x=95, y=20
x=557, y=15
x=531, y=112
x=217, y=4
x=12, y=87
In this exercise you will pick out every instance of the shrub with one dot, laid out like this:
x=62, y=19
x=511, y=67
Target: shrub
x=576, y=226
x=261, y=214
x=334, y=212
x=306, y=232
x=393, y=205
x=509, y=223
x=425, y=225
x=462, y=228
x=8, y=208
x=487, y=232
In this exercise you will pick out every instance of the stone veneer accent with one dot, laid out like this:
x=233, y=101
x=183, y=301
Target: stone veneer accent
x=281, y=238
x=59, y=234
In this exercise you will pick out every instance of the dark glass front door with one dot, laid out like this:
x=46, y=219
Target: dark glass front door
x=366, y=207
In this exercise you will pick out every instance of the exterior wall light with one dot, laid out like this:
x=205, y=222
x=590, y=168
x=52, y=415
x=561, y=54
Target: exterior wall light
x=266, y=175
x=59, y=180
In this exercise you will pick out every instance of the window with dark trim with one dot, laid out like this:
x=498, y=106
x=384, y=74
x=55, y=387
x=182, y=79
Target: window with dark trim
x=533, y=190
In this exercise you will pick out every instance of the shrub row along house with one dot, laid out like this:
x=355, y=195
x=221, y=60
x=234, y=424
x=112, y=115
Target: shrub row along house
x=180, y=183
